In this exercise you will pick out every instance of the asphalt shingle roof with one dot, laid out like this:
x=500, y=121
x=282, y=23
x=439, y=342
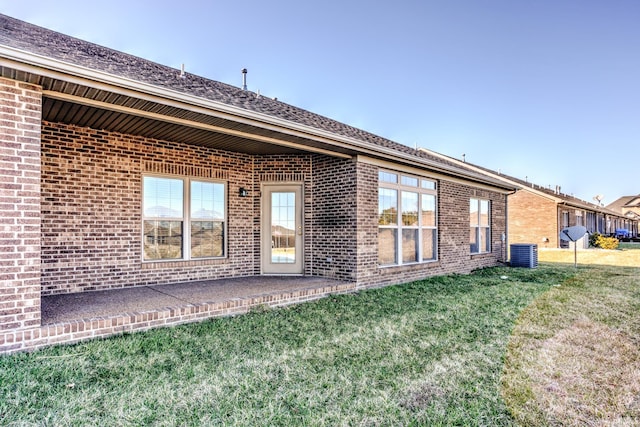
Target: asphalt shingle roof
x=41, y=41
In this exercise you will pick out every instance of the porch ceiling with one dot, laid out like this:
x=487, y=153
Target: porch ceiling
x=54, y=110
x=103, y=109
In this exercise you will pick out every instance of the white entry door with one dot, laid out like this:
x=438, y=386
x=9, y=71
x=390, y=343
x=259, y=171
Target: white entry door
x=282, y=230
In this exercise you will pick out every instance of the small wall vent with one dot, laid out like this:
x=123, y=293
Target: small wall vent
x=524, y=255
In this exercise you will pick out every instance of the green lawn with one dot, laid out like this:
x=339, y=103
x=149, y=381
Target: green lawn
x=427, y=353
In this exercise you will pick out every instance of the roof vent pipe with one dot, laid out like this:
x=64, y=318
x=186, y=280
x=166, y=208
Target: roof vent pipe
x=244, y=79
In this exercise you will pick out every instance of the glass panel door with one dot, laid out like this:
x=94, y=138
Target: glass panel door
x=283, y=227
x=282, y=231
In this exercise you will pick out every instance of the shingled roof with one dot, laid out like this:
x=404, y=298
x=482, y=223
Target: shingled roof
x=35, y=40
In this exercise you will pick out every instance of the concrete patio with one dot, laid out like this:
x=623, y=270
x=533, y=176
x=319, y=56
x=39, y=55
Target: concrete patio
x=127, y=301
x=70, y=318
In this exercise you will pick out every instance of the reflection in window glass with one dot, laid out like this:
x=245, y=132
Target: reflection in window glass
x=207, y=239
x=410, y=245
x=387, y=177
x=170, y=222
x=428, y=210
x=207, y=200
x=162, y=240
x=409, y=181
x=409, y=208
x=387, y=254
x=163, y=197
x=387, y=207
x=480, y=226
x=283, y=227
x=429, y=244
x=427, y=184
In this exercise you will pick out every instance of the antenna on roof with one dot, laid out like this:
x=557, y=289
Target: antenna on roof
x=244, y=79
x=464, y=156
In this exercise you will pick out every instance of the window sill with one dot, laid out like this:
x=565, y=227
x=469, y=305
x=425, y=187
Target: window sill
x=180, y=263
x=481, y=255
x=412, y=266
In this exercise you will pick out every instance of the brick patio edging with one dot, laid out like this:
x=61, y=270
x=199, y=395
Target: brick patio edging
x=85, y=329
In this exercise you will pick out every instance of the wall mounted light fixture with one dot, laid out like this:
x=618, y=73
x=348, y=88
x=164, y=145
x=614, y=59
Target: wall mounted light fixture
x=243, y=192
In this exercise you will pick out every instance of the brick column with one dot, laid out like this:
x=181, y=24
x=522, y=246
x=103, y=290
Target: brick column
x=20, y=117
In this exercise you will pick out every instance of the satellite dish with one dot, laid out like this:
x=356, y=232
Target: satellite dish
x=598, y=198
x=572, y=234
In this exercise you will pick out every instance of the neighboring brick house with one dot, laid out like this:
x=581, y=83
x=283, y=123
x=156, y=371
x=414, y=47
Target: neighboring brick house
x=119, y=172
x=629, y=206
x=537, y=214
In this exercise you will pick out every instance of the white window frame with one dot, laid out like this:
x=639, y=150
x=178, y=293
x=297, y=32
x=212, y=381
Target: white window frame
x=186, y=218
x=425, y=186
x=478, y=226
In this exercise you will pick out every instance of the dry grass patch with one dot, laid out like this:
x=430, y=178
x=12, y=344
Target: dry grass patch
x=573, y=356
x=628, y=256
x=588, y=374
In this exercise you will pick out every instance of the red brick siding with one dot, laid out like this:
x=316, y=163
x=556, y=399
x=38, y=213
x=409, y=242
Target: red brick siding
x=334, y=218
x=20, y=111
x=453, y=233
x=91, y=210
x=533, y=218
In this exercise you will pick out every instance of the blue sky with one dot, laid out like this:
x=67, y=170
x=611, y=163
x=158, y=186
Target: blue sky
x=548, y=90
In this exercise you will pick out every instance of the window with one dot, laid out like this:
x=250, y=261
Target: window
x=480, y=228
x=183, y=218
x=406, y=219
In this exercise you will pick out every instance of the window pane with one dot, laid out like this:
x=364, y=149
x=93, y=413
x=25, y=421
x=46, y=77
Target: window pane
x=409, y=181
x=428, y=210
x=409, y=208
x=207, y=239
x=473, y=239
x=428, y=184
x=388, y=177
x=162, y=240
x=283, y=228
x=485, y=243
x=387, y=246
x=207, y=200
x=428, y=244
x=163, y=197
x=484, y=212
x=387, y=206
x=410, y=245
x=473, y=212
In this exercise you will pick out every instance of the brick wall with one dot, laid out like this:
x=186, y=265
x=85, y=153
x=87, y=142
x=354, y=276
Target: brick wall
x=453, y=233
x=334, y=218
x=91, y=209
x=533, y=218
x=20, y=111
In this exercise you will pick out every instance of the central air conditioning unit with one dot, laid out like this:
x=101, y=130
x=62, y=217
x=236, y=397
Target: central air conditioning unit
x=524, y=255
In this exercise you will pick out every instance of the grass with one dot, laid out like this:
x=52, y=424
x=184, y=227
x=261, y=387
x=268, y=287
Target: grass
x=573, y=358
x=426, y=353
x=627, y=255
x=548, y=346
